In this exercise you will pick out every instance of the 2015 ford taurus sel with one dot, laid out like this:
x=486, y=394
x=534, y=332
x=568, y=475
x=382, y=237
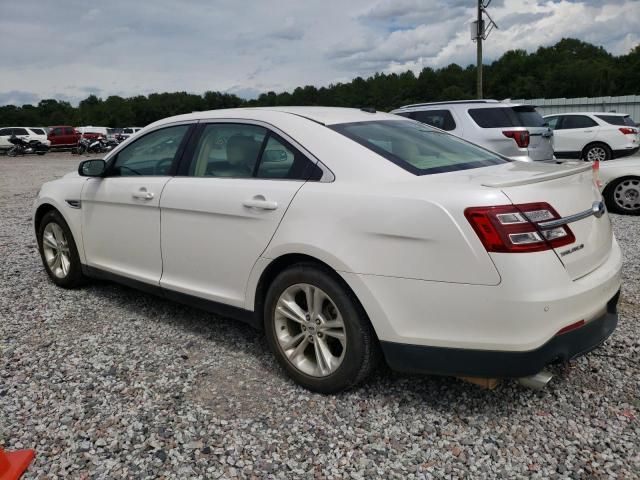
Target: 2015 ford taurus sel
x=346, y=234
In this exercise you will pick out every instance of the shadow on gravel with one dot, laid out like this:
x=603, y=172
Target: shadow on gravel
x=238, y=376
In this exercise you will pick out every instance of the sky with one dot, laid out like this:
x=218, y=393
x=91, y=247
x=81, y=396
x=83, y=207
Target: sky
x=70, y=49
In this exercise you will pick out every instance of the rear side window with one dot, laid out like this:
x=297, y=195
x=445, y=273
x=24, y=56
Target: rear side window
x=37, y=131
x=498, y=117
x=441, y=119
x=618, y=120
x=528, y=116
x=5, y=132
x=20, y=131
x=576, y=121
x=68, y=131
x=127, y=130
x=417, y=148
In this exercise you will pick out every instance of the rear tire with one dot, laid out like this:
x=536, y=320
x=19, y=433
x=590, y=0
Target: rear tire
x=13, y=152
x=327, y=346
x=623, y=196
x=58, y=251
x=596, y=151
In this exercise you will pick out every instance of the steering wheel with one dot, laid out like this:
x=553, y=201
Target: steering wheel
x=163, y=166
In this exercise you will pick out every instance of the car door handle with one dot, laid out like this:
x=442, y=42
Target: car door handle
x=261, y=203
x=143, y=195
x=588, y=131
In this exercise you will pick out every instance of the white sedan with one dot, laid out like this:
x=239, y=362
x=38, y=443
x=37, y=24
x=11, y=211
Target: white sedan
x=346, y=234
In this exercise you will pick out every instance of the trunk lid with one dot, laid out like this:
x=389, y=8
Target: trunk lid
x=569, y=189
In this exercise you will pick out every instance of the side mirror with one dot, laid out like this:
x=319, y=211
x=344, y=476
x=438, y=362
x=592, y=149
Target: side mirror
x=52, y=134
x=92, y=168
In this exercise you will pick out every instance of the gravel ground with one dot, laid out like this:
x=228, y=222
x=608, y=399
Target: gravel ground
x=108, y=382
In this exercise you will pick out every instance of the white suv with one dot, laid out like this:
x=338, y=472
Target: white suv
x=25, y=133
x=510, y=129
x=593, y=135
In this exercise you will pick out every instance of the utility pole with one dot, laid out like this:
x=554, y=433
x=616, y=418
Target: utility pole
x=478, y=34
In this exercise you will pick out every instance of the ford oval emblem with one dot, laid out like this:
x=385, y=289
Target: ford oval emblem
x=598, y=209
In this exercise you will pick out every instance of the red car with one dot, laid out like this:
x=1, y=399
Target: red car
x=63, y=136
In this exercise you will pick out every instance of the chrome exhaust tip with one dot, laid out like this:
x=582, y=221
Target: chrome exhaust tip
x=537, y=381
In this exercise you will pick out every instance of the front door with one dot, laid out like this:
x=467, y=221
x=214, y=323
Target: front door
x=120, y=212
x=219, y=218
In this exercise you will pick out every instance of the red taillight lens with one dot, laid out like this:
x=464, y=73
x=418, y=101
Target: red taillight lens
x=514, y=228
x=520, y=136
x=628, y=131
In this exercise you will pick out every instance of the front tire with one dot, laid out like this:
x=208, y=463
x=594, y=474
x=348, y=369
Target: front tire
x=623, y=196
x=13, y=152
x=596, y=151
x=318, y=331
x=59, y=252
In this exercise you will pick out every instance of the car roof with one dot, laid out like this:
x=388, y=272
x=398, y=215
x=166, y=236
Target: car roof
x=614, y=114
x=322, y=115
x=475, y=103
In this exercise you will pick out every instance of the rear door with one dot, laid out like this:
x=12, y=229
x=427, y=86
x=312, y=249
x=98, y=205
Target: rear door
x=572, y=133
x=220, y=214
x=570, y=195
x=540, y=135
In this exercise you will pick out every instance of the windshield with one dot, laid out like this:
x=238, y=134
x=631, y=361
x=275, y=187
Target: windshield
x=416, y=147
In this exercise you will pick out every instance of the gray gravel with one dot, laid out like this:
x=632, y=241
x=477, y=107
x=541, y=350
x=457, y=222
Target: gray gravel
x=107, y=382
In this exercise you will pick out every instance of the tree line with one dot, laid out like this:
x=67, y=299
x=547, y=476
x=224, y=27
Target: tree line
x=570, y=68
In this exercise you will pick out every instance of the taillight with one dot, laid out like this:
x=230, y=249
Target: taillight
x=628, y=131
x=514, y=228
x=520, y=136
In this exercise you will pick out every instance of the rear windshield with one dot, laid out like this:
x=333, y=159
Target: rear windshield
x=500, y=117
x=618, y=120
x=416, y=147
x=529, y=117
x=38, y=131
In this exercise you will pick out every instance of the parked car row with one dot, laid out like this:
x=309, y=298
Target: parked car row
x=521, y=133
x=62, y=136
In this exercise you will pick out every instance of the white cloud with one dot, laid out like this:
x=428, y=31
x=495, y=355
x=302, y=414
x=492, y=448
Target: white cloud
x=130, y=48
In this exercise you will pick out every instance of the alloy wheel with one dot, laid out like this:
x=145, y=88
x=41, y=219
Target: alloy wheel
x=596, y=154
x=56, y=250
x=627, y=194
x=310, y=330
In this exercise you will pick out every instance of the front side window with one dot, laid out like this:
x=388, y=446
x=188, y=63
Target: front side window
x=417, y=148
x=68, y=131
x=150, y=155
x=56, y=131
x=5, y=132
x=577, y=121
x=441, y=119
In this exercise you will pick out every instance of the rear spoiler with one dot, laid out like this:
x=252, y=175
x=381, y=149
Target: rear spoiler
x=543, y=177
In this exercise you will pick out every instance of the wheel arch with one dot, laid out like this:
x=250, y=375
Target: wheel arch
x=608, y=190
x=47, y=205
x=281, y=263
x=583, y=152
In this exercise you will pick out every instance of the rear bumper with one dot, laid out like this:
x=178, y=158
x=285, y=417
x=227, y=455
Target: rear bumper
x=493, y=363
x=625, y=153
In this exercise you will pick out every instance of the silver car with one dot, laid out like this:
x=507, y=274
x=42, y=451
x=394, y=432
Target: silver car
x=510, y=129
